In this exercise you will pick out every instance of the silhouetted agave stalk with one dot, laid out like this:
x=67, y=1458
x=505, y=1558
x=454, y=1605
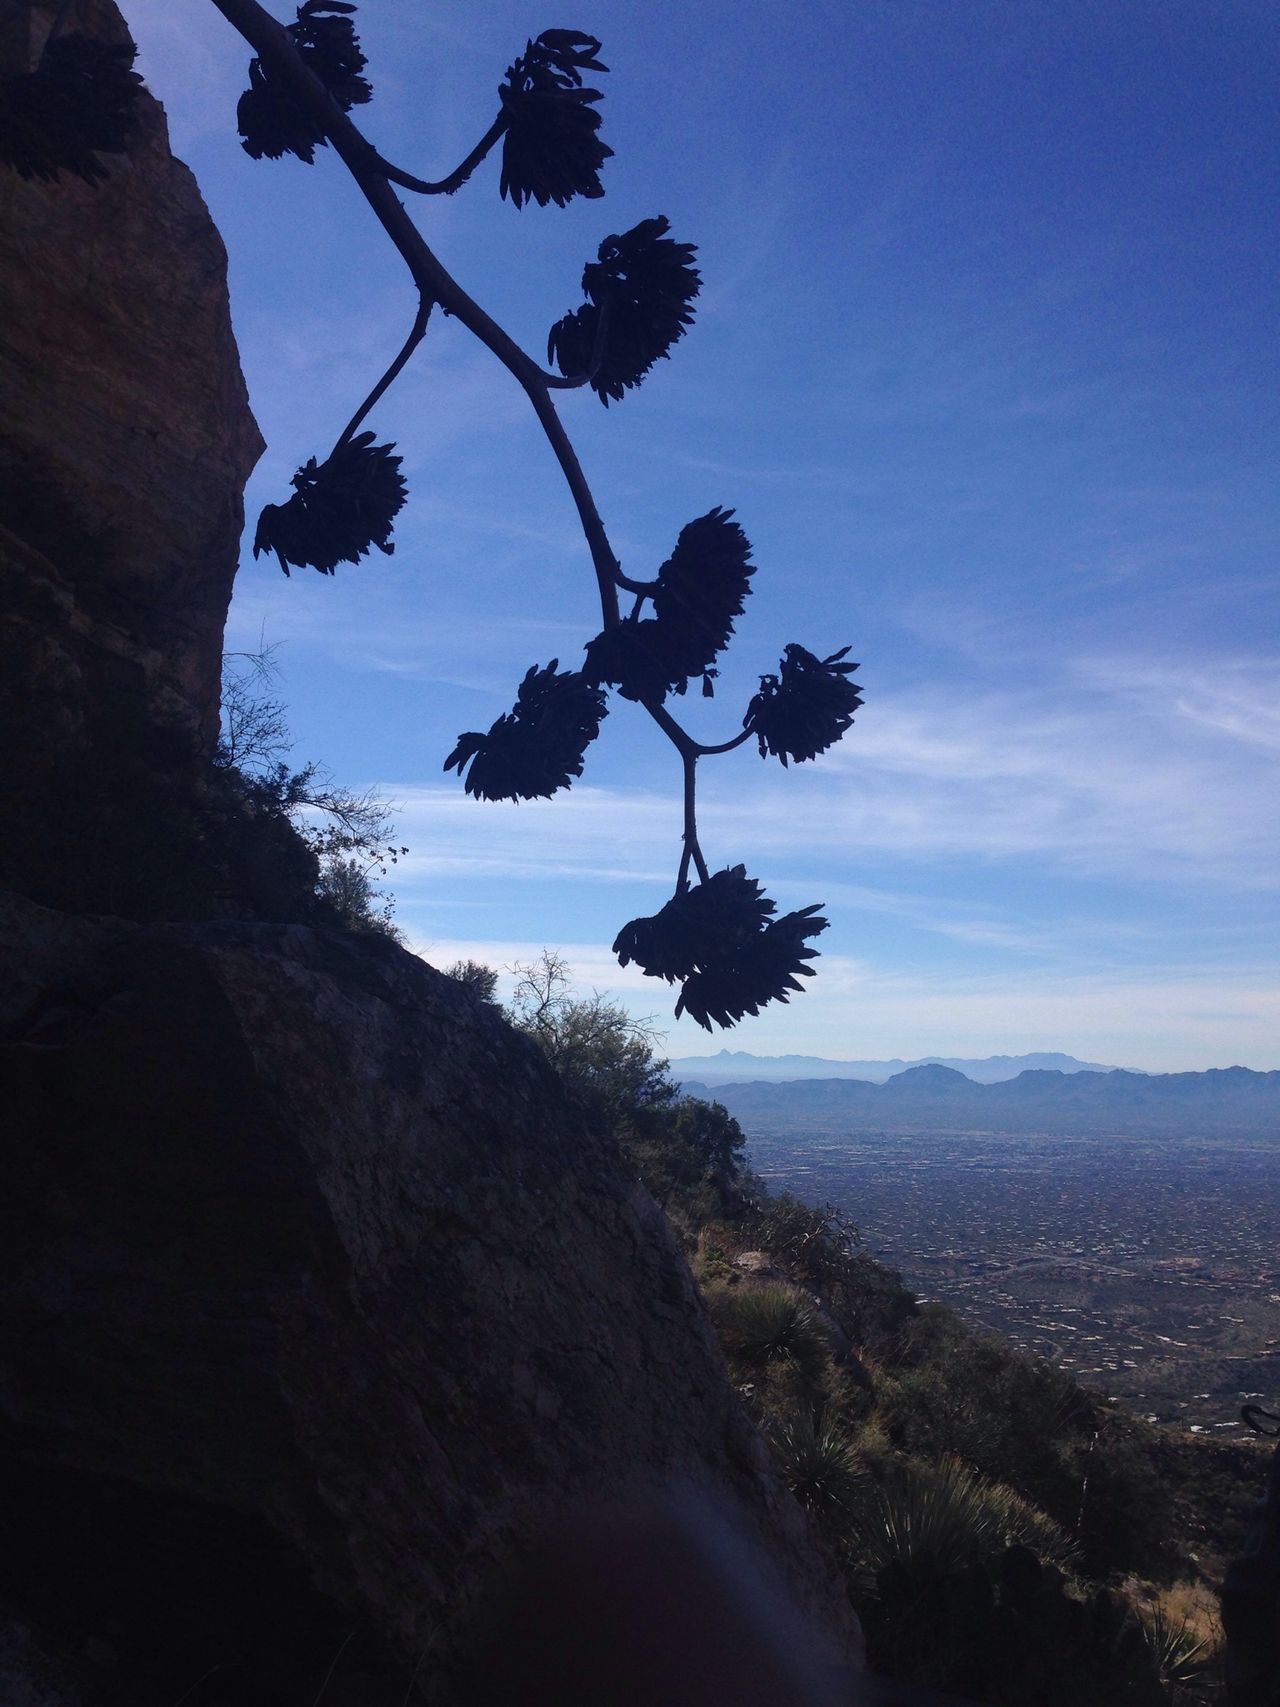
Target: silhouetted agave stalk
x=718, y=936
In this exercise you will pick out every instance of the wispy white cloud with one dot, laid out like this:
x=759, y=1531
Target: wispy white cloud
x=1091, y=782
x=1235, y=697
x=1107, y=789
x=586, y=835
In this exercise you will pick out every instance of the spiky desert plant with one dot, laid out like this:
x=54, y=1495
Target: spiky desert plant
x=771, y=1324
x=956, y=1517
x=818, y=1463
x=1181, y=1654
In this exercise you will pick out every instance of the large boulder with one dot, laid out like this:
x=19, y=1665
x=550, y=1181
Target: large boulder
x=319, y=1301
x=125, y=442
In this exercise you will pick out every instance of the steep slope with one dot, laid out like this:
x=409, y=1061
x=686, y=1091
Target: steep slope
x=305, y=1248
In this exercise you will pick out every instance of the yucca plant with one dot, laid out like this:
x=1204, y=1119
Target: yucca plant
x=818, y=1463
x=1181, y=1655
x=763, y=1325
x=955, y=1517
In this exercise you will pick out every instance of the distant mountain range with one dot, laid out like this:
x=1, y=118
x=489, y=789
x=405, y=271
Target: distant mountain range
x=737, y=1066
x=934, y=1097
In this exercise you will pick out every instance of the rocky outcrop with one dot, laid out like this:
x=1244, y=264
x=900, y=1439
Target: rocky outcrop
x=125, y=442
x=324, y=1302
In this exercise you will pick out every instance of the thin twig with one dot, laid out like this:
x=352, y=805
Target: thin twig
x=188, y=1693
x=645, y=589
x=557, y=382
x=724, y=746
x=416, y=335
x=458, y=177
x=332, y=1665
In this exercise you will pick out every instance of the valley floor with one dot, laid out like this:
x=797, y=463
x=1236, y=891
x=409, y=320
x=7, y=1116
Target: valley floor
x=1148, y=1269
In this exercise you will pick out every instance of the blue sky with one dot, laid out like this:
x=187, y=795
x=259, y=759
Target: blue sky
x=985, y=361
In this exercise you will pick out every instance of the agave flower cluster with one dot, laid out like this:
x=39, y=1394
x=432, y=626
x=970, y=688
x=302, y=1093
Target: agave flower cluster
x=806, y=707
x=638, y=292
x=271, y=120
x=538, y=746
x=550, y=149
x=340, y=508
x=721, y=944
x=699, y=591
x=79, y=102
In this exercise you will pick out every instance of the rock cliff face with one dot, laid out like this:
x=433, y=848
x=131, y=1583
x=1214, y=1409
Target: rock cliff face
x=125, y=442
x=307, y=1252
x=316, y=1296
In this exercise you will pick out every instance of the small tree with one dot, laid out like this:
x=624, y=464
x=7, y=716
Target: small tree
x=689, y=1153
x=347, y=831
x=605, y=1057
x=480, y=979
x=717, y=938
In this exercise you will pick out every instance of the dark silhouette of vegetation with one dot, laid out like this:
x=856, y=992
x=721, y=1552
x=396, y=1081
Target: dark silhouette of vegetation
x=686, y=1151
x=76, y=104
x=1251, y=1591
x=343, y=836
x=480, y=979
x=717, y=937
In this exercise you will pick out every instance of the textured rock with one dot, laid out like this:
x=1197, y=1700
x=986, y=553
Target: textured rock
x=125, y=441
x=307, y=1256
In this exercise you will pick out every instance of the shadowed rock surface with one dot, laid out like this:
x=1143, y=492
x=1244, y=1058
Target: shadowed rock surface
x=306, y=1250
x=125, y=442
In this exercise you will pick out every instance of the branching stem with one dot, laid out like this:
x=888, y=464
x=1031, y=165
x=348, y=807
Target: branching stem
x=645, y=589
x=691, y=847
x=557, y=382
x=725, y=746
x=457, y=178
x=271, y=42
x=416, y=334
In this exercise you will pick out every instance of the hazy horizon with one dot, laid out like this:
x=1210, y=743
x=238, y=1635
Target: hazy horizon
x=990, y=1056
